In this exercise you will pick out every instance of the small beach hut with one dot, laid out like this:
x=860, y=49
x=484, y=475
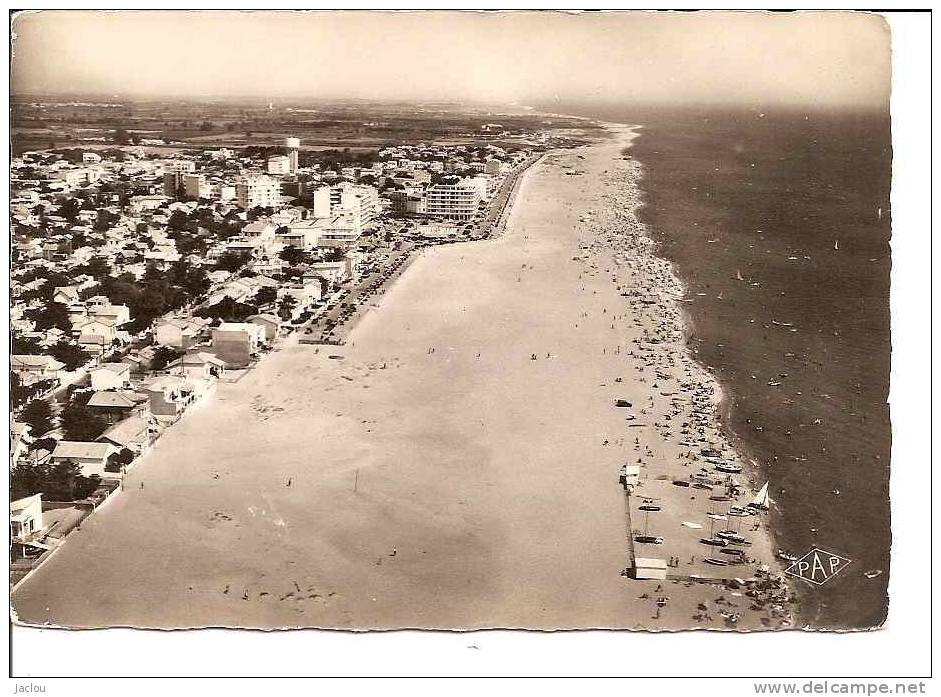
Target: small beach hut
x=650, y=569
x=629, y=476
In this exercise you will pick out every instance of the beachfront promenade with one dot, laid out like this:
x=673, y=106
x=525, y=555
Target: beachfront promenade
x=334, y=325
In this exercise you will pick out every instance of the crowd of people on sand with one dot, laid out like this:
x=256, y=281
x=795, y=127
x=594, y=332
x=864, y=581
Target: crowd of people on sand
x=615, y=245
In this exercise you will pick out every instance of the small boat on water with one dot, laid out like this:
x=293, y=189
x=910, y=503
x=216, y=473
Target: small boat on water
x=785, y=556
x=716, y=562
x=872, y=573
x=739, y=512
x=761, y=500
x=680, y=482
x=649, y=507
x=728, y=468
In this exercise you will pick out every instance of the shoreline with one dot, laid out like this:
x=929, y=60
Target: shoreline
x=421, y=478
x=672, y=284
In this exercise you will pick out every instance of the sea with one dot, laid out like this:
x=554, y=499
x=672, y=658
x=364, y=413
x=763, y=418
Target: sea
x=778, y=220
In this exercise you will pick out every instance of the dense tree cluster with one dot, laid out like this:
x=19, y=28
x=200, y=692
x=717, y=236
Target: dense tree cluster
x=20, y=394
x=232, y=261
x=157, y=293
x=62, y=481
x=72, y=355
x=49, y=316
x=80, y=422
x=38, y=414
x=227, y=310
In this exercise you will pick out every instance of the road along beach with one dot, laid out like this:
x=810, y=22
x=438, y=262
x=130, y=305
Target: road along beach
x=454, y=464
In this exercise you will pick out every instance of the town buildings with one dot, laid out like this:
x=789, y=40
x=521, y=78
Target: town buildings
x=139, y=283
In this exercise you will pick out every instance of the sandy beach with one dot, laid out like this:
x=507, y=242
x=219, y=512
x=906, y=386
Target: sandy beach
x=454, y=465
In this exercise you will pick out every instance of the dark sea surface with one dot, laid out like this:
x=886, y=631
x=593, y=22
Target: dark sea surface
x=790, y=199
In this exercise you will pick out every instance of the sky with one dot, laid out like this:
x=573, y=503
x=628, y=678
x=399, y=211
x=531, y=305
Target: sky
x=827, y=59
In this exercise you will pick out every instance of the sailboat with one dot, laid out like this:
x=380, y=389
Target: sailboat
x=738, y=275
x=836, y=245
x=761, y=499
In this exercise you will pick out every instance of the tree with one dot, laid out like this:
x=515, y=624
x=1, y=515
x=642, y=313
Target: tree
x=105, y=220
x=163, y=356
x=230, y=261
x=119, y=460
x=52, y=315
x=79, y=422
x=288, y=303
x=293, y=255
x=38, y=414
x=47, y=444
x=62, y=481
x=70, y=209
x=96, y=268
x=193, y=280
x=265, y=295
x=179, y=221
x=227, y=310
x=189, y=244
x=72, y=355
x=18, y=392
x=24, y=346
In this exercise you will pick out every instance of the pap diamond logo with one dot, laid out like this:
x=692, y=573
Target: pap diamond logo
x=818, y=566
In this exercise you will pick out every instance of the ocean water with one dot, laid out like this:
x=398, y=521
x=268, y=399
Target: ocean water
x=778, y=221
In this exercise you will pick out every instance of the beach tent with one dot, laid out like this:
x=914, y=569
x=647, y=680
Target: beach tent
x=645, y=568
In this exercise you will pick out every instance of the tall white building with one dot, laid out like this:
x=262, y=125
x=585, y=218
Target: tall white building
x=258, y=190
x=456, y=201
x=79, y=176
x=173, y=173
x=222, y=192
x=279, y=164
x=196, y=186
x=359, y=203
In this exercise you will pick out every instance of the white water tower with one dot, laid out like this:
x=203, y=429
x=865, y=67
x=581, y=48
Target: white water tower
x=292, y=145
